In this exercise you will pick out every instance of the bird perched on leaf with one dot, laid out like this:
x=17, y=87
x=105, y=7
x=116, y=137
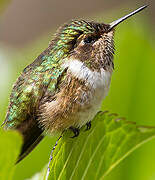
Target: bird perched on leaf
x=65, y=85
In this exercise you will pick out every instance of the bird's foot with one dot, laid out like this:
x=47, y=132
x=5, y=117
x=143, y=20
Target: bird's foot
x=88, y=124
x=76, y=131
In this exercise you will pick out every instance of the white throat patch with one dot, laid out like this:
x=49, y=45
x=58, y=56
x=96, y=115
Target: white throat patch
x=93, y=78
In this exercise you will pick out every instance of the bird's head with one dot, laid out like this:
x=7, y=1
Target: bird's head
x=89, y=42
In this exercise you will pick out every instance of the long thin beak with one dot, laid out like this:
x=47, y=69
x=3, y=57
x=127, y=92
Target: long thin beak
x=115, y=23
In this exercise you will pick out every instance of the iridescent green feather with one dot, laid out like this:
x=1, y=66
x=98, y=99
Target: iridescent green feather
x=42, y=74
x=25, y=96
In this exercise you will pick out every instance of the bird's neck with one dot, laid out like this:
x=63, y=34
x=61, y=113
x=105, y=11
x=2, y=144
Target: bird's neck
x=94, y=78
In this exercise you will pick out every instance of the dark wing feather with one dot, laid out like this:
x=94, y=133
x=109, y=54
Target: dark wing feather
x=37, y=79
x=32, y=135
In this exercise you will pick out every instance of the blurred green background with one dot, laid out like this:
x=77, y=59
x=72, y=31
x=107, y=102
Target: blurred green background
x=26, y=27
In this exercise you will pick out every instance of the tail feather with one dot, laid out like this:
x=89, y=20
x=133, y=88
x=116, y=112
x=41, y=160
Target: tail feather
x=32, y=135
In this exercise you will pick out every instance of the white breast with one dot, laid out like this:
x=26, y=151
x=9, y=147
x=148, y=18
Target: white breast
x=98, y=81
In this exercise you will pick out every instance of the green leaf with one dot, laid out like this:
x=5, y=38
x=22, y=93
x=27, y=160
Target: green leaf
x=40, y=176
x=10, y=143
x=94, y=153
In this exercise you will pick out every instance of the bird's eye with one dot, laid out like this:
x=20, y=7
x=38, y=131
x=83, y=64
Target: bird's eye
x=89, y=39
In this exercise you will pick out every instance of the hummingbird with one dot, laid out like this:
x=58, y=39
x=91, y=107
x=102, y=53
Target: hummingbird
x=65, y=85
